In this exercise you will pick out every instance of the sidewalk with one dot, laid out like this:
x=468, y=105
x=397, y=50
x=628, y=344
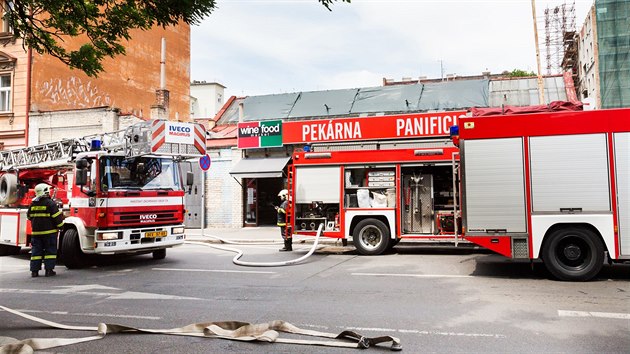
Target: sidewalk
x=265, y=234
x=271, y=234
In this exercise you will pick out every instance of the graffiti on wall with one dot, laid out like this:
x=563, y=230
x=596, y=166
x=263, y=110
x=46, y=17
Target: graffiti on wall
x=73, y=92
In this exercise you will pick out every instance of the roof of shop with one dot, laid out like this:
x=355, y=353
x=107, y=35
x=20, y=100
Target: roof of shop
x=461, y=94
x=369, y=101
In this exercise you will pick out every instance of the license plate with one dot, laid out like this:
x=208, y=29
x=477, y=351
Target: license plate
x=155, y=234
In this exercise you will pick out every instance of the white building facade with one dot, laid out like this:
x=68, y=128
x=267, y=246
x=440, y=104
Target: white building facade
x=206, y=98
x=588, y=90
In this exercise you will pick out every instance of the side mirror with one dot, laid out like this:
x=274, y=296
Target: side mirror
x=82, y=163
x=190, y=178
x=81, y=176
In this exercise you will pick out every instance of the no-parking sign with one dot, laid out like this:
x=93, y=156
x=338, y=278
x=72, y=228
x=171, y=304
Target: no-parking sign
x=205, y=162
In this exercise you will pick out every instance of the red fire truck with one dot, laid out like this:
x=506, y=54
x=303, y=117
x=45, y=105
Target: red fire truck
x=375, y=179
x=121, y=192
x=548, y=185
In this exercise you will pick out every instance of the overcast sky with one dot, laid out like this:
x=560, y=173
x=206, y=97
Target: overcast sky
x=258, y=47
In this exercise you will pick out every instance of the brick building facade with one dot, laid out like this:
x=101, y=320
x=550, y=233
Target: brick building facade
x=38, y=85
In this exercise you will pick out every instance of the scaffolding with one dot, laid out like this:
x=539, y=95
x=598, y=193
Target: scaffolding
x=560, y=50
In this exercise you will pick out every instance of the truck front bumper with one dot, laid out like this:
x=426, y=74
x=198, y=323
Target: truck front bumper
x=137, y=240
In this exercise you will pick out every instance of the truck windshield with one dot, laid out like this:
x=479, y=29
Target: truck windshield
x=146, y=173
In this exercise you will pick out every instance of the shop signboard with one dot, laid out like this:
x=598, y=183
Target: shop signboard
x=263, y=134
x=405, y=126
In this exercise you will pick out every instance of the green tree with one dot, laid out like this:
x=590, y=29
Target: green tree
x=42, y=24
x=520, y=73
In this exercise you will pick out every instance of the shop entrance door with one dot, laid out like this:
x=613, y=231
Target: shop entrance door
x=261, y=195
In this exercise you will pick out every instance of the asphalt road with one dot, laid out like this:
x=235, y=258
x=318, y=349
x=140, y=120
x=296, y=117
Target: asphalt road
x=433, y=299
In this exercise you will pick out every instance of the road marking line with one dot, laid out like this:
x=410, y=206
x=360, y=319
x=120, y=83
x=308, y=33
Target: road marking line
x=615, y=315
x=213, y=270
x=411, y=331
x=453, y=334
x=99, y=290
x=65, y=313
x=414, y=275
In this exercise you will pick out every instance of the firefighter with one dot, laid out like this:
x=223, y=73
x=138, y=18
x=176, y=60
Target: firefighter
x=46, y=220
x=282, y=220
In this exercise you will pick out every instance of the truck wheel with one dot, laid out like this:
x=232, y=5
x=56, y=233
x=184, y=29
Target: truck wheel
x=371, y=237
x=6, y=250
x=8, y=189
x=573, y=254
x=72, y=255
x=159, y=254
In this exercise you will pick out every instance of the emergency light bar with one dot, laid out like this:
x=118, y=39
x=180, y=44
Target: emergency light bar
x=321, y=155
x=428, y=152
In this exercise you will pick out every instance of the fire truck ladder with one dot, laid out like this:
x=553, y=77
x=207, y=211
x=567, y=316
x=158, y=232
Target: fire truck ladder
x=41, y=156
x=135, y=140
x=60, y=153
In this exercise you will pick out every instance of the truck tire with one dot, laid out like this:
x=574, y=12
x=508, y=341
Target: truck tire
x=8, y=189
x=159, y=254
x=573, y=254
x=371, y=237
x=6, y=250
x=73, y=257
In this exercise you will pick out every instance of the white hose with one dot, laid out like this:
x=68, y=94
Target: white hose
x=239, y=253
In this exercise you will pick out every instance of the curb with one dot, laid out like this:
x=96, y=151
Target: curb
x=210, y=239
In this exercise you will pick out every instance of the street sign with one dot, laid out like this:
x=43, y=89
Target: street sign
x=205, y=162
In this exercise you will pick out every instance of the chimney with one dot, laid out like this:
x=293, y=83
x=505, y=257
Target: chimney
x=159, y=110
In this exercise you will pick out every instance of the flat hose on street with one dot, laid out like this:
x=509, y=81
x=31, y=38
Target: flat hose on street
x=233, y=330
x=239, y=253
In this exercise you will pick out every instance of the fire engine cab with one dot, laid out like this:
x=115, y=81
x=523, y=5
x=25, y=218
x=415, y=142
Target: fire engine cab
x=120, y=192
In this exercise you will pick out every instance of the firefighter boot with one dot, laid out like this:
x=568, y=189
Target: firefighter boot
x=287, y=245
x=50, y=273
x=289, y=242
x=34, y=274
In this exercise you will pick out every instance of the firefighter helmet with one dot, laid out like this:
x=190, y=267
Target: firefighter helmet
x=283, y=193
x=42, y=189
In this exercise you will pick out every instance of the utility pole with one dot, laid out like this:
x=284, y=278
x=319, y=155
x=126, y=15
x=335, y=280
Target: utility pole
x=541, y=86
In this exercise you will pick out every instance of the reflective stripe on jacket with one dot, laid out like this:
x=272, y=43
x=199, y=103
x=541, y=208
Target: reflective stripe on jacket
x=282, y=213
x=45, y=216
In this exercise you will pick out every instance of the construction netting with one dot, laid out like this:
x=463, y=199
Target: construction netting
x=613, y=37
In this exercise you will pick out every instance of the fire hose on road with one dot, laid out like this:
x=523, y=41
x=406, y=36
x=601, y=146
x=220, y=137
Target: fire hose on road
x=239, y=253
x=233, y=330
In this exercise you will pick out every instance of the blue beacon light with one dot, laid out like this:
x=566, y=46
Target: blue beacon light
x=95, y=145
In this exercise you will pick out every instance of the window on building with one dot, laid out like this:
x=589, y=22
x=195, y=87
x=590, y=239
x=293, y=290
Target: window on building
x=5, y=93
x=6, y=6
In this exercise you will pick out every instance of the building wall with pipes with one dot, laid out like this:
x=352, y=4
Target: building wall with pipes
x=46, y=127
x=129, y=81
x=129, y=84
